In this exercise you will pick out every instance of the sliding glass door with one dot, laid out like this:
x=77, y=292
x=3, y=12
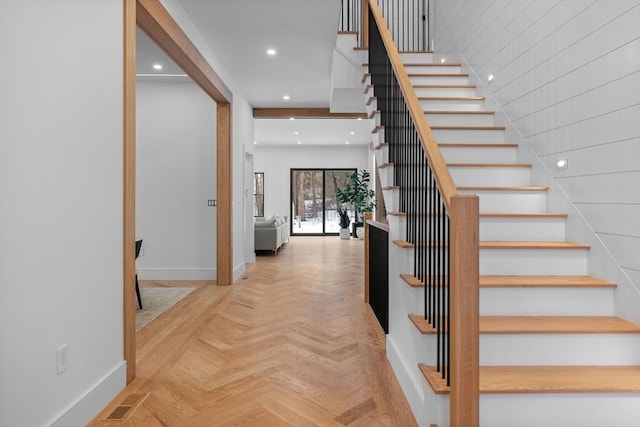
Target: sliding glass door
x=313, y=200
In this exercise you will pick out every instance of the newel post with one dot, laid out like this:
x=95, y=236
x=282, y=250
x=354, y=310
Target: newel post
x=464, y=333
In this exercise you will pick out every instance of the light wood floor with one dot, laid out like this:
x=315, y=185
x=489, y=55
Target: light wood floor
x=291, y=344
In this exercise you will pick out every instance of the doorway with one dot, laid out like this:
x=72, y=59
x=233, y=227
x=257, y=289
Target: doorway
x=314, y=204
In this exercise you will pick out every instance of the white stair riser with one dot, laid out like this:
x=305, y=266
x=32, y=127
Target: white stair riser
x=479, y=154
x=486, y=136
x=438, y=80
x=559, y=349
x=371, y=106
x=432, y=69
x=554, y=410
x=451, y=104
x=533, y=261
x=414, y=57
x=460, y=119
x=403, y=261
x=445, y=91
x=522, y=229
x=377, y=137
x=549, y=349
x=375, y=119
x=546, y=301
x=510, y=201
x=491, y=177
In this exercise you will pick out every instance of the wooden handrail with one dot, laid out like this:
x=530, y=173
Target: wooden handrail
x=443, y=177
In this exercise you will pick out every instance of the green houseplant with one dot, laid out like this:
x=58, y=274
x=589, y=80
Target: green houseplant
x=358, y=195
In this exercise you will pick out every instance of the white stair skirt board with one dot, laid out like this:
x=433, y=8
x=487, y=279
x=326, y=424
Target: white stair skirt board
x=452, y=104
x=382, y=155
x=413, y=57
x=426, y=68
x=464, y=176
x=510, y=200
x=444, y=90
x=544, y=301
x=485, y=136
x=391, y=200
x=460, y=119
x=543, y=229
x=480, y=154
x=386, y=176
x=533, y=261
x=434, y=79
x=560, y=410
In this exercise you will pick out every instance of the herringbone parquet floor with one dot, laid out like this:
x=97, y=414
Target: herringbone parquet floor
x=291, y=344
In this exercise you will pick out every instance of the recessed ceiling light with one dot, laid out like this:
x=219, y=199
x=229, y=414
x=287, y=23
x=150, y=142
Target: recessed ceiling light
x=296, y=133
x=352, y=133
x=346, y=142
x=299, y=142
x=157, y=67
x=442, y=61
x=271, y=52
x=255, y=142
x=286, y=97
x=562, y=164
x=292, y=118
x=359, y=118
x=490, y=78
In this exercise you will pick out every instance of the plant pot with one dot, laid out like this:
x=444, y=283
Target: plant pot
x=344, y=234
x=355, y=226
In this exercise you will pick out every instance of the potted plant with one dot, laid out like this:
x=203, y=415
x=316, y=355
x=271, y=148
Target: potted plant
x=358, y=194
x=344, y=223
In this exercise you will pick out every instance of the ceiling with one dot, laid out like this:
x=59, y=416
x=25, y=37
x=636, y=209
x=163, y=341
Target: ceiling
x=303, y=33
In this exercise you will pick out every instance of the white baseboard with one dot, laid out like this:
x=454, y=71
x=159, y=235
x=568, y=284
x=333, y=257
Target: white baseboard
x=239, y=271
x=177, y=274
x=94, y=400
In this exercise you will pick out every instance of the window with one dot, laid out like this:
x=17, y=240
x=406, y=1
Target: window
x=258, y=194
x=314, y=207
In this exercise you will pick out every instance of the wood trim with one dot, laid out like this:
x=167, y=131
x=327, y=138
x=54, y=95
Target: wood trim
x=464, y=315
x=367, y=222
x=160, y=26
x=303, y=113
x=378, y=224
x=129, y=187
x=156, y=21
x=224, y=177
x=442, y=175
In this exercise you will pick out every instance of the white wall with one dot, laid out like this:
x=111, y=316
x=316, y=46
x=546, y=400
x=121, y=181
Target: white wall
x=175, y=176
x=277, y=161
x=60, y=208
x=242, y=135
x=567, y=74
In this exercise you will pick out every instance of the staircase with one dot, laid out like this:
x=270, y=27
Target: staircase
x=552, y=351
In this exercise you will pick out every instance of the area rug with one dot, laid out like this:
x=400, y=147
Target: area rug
x=157, y=300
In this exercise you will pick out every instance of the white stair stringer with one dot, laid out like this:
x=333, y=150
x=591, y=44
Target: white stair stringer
x=512, y=209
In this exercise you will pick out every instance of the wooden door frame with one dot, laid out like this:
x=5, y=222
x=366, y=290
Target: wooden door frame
x=156, y=21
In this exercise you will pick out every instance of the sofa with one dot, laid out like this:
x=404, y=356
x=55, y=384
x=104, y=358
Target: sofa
x=270, y=233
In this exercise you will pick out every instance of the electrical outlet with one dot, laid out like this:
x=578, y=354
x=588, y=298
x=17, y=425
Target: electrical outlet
x=62, y=358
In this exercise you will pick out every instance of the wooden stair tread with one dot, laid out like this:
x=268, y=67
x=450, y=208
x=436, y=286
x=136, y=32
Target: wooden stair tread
x=542, y=325
x=489, y=165
x=415, y=51
x=403, y=244
x=432, y=64
x=508, y=244
x=381, y=145
x=493, y=281
x=374, y=113
x=385, y=165
x=412, y=281
x=547, y=379
x=397, y=213
x=371, y=99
